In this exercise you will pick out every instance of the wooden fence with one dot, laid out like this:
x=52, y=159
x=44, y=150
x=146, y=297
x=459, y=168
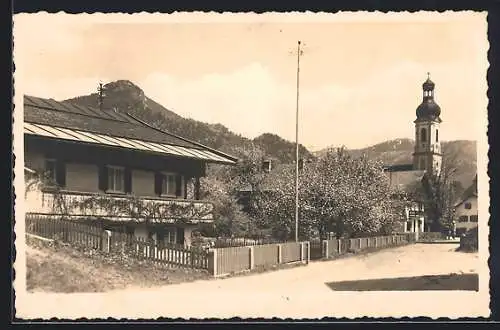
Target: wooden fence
x=335, y=247
x=95, y=237
x=218, y=261
x=245, y=258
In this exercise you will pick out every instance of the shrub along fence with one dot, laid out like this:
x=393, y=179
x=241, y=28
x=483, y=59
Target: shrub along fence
x=430, y=236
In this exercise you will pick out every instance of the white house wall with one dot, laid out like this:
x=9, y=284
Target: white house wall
x=461, y=211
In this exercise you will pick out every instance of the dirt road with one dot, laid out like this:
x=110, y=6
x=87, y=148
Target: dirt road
x=297, y=292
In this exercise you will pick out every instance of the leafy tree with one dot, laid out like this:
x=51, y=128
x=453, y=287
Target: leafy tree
x=229, y=219
x=440, y=192
x=336, y=193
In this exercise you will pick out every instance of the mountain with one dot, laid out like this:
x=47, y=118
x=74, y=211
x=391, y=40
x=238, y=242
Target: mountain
x=125, y=96
x=462, y=153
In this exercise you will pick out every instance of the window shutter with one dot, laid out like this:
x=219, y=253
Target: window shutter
x=61, y=173
x=103, y=178
x=178, y=185
x=180, y=236
x=185, y=188
x=127, y=180
x=158, y=183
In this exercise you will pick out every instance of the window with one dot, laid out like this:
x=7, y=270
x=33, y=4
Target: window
x=423, y=135
x=463, y=218
x=50, y=171
x=166, y=236
x=169, y=184
x=473, y=218
x=467, y=206
x=116, y=179
x=437, y=135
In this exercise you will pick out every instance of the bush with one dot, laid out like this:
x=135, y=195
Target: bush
x=469, y=241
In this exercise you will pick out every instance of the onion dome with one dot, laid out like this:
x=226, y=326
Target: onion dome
x=428, y=109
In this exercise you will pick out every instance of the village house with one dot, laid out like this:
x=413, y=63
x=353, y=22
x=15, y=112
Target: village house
x=107, y=166
x=466, y=210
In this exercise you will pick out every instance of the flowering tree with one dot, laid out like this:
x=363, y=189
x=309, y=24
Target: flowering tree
x=336, y=193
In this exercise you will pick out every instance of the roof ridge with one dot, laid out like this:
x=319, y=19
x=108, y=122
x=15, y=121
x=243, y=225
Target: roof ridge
x=88, y=108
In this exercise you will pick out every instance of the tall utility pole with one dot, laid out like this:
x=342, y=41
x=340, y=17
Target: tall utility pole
x=299, y=53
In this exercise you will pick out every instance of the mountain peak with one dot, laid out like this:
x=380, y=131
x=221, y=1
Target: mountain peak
x=125, y=88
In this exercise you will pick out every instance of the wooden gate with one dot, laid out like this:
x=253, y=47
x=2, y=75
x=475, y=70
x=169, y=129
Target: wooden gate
x=316, y=249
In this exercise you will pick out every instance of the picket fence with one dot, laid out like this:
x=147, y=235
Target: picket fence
x=335, y=247
x=95, y=237
x=237, y=259
x=217, y=261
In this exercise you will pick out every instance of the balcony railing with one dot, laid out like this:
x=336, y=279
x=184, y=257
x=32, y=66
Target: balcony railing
x=120, y=207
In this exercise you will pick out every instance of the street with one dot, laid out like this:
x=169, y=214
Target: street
x=296, y=292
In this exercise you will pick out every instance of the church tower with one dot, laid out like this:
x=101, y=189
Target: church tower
x=427, y=154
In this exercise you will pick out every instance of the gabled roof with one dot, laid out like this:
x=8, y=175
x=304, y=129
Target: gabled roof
x=471, y=191
x=398, y=167
x=404, y=179
x=67, y=121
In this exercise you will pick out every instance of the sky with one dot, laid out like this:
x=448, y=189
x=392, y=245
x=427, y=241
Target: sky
x=361, y=74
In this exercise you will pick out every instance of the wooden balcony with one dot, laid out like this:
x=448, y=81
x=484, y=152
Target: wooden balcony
x=119, y=207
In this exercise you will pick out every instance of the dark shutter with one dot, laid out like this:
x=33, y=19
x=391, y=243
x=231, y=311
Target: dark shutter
x=178, y=186
x=197, y=188
x=180, y=236
x=158, y=183
x=103, y=178
x=127, y=173
x=185, y=188
x=60, y=173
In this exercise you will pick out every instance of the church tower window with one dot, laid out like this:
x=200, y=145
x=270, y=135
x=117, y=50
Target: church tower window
x=437, y=135
x=423, y=134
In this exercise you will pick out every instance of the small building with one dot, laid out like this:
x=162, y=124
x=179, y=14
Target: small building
x=466, y=211
x=106, y=166
x=402, y=178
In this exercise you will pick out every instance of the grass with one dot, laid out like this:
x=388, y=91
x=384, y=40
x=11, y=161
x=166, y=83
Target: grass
x=63, y=269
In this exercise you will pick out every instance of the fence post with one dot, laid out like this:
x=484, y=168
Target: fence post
x=325, y=249
x=301, y=251
x=279, y=254
x=308, y=252
x=339, y=245
x=107, y=241
x=252, y=256
x=212, y=261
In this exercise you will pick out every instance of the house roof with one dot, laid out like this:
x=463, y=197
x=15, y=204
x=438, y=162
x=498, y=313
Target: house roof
x=67, y=121
x=471, y=191
x=404, y=179
x=398, y=167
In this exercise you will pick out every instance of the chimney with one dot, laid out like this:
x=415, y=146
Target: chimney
x=266, y=165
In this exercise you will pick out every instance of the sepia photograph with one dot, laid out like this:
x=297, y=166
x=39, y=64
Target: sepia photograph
x=293, y=165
